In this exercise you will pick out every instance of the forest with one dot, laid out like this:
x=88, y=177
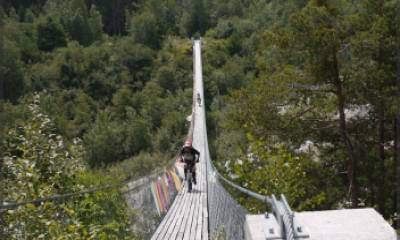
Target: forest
x=302, y=98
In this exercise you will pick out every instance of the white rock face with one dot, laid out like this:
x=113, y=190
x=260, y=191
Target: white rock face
x=346, y=224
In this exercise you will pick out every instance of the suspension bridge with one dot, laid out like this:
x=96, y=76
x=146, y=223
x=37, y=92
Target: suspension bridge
x=210, y=212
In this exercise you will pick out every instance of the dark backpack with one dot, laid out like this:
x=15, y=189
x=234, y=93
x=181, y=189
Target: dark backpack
x=188, y=157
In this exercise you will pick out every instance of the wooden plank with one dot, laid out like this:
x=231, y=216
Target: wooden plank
x=164, y=225
x=204, y=209
x=198, y=222
x=177, y=216
x=194, y=227
x=199, y=227
x=180, y=218
x=175, y=209
x=170, y=214
x=189, y=221
x=188, y=213
x=173, y=221
x=165, y=219
x=192, y=231
x=188, y=217
x=180, y=226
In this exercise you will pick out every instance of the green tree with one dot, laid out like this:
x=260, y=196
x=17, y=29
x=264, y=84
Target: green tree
x=145, y=29
x=104, y=142
x=374, y=79
x=2, y=54
x=29, y=16
x=166, y=78
x=50, y=35
x=137, y=136
x=79, y=30
x=114, y=14
x=11, y=75
x=198, y=20
x=37, y=164
x=278, y=172
x=315, y=34
x=78, y=25
x=122, y=102
x=96, y=24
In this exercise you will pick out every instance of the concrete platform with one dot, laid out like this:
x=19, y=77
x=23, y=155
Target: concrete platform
x=261, y=227
x=346, y=224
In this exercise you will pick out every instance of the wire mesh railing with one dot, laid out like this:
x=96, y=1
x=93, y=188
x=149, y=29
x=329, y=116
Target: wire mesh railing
x=284, y=215
x=226, y=216
x=151, y=200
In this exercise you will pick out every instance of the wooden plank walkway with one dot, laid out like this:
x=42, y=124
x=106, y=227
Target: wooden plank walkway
x=187, y=219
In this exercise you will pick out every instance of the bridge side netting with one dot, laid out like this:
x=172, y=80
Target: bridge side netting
x=150, y=198
x=226, y=216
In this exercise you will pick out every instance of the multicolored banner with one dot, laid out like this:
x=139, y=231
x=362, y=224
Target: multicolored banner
x=165, y=188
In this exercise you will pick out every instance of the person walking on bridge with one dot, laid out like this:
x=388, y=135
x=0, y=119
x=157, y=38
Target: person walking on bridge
x=190, y=156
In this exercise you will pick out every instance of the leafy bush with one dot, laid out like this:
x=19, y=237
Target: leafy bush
x=50, y=35
x=38, y=163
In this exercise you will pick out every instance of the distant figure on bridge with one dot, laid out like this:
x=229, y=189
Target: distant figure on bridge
x=198, y=99
x=189, y=155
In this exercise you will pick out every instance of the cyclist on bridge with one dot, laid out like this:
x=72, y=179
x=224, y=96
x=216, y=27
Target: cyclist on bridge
x=189, y=155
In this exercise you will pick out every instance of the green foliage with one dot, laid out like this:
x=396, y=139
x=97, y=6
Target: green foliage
x=139, y=166
x=79, y=30
x=123, y=102
x=24, y=36
x=279, y=76
x=11, y=76
x=114, y=15
x=173, y=127
x=145, y=29
x=278, y=172
x=76, y=117
x=101, y=139
x=110, y=141
x=105, y=212
x=98, y=71
x=50, y=35
x=82, y=24
x=96, y=24
x=198, y=21
x=324, y=74
x=9, y=116
x=38, y=163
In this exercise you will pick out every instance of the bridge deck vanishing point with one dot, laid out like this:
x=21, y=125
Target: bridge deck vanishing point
x=188, y=216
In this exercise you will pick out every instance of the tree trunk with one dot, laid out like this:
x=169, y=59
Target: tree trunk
x=397, y=168
x=2, y=223
x=381, y=126
x=1, y=54
x=381, y=180
x=397, y=122
x=351, y=162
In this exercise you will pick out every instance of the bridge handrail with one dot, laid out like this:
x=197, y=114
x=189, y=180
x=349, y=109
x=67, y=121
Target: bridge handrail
x=281, y=209
x=253, y=194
